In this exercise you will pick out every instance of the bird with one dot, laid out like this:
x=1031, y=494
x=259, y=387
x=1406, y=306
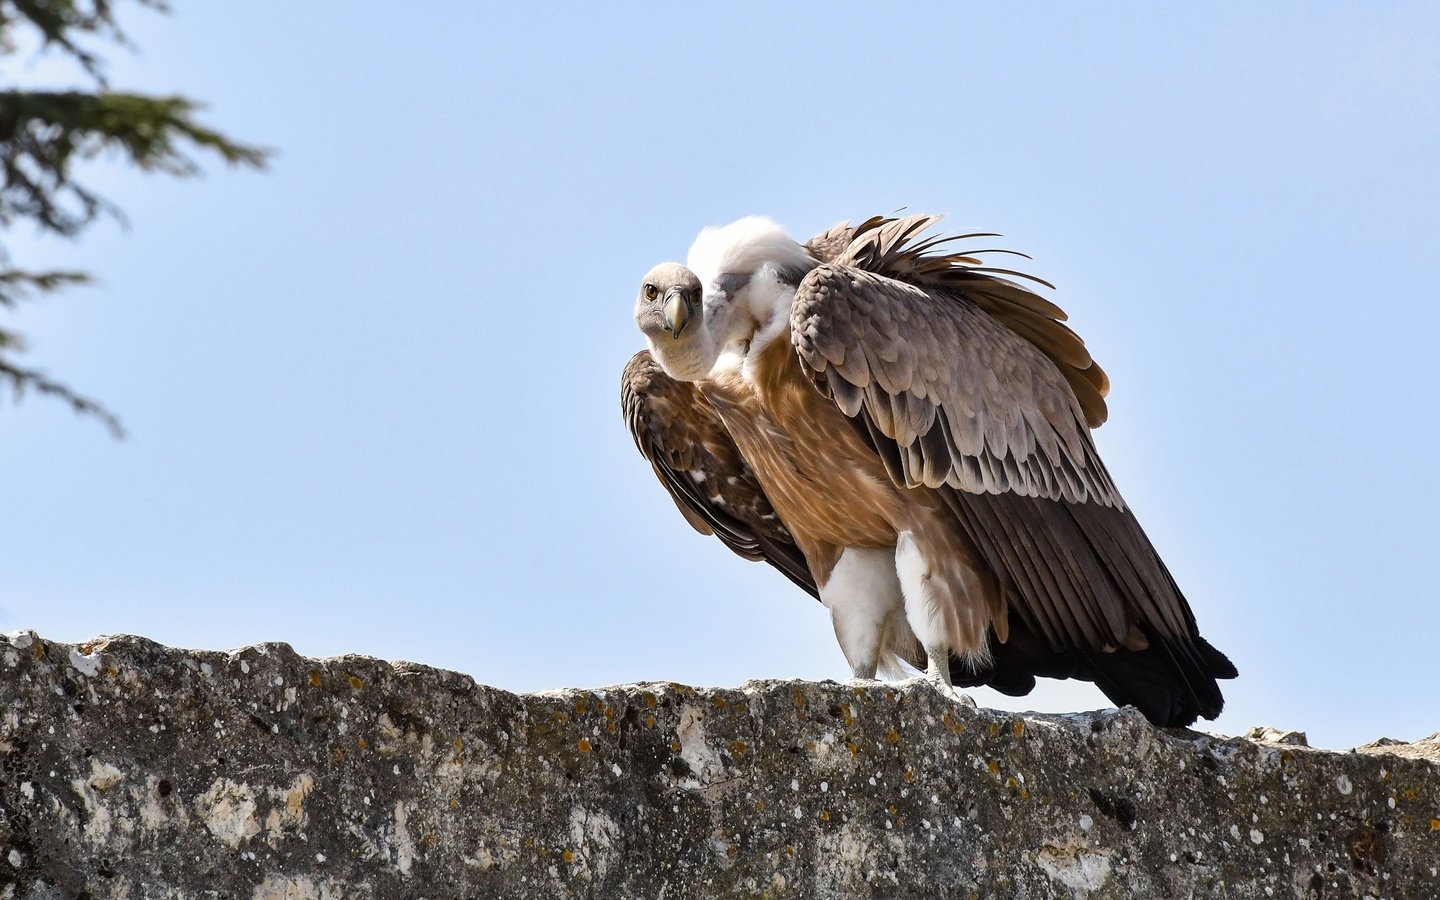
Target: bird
x=904, y=432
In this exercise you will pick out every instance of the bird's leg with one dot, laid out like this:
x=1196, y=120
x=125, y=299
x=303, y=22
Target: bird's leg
x=862, y=674
x=937, y=673
x=863, y=656
x=863, y=595
x=919, y=584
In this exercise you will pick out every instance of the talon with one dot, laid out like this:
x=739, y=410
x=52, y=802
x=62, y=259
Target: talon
x=937, y=674
x=948, y=690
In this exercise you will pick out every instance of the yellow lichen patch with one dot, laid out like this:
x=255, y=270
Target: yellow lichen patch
x=649, y=721
x=994, y=730
x=560, y=715
x=853, y=748
x=909, y=775
x=430, y=839
x=892, y=809
x=610, y=727
x=799, y=700
x=1018, y=728
x=568, y=856
x=1435, y=824
x=339, y=755
x=544, y=852
x=892, y=736
x=650, y=701
x=1410, y=794
x=315, y=679
x=760, y=805
x=738, y=748
x=674, y=746
x=579, y=707
x=824, y=815
x=789, y=851
x=1011, y=782
x=609, y=712
x=899, y=820
x=720, y=701
x=810, y=746
x=356, y=683
x=584, y=745
x=39, y=649
x=994, y=767
x=361, y=743
x=459, y=744
x=454, y=804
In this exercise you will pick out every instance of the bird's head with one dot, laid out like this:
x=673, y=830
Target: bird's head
x=735, y=289
x=670, y=313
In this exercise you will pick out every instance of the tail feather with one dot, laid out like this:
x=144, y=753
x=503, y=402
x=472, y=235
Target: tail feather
x=1172, y=682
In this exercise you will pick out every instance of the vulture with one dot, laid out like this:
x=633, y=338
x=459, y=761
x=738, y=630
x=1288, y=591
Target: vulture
x=904, y=432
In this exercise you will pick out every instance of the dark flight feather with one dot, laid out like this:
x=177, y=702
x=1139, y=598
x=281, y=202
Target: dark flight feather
x=677, y=431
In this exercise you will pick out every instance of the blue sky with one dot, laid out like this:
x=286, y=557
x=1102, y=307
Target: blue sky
x=372, y=394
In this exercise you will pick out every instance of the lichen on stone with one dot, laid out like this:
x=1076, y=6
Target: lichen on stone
x=134, y=770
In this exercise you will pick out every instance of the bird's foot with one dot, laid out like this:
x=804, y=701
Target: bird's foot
x=947, y=690
x=937, y=675
x=863, y=677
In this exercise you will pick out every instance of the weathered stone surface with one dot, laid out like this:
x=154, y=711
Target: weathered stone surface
x=131, y=770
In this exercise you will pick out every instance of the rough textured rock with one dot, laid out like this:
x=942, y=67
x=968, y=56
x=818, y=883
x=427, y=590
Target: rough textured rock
x=131, y=770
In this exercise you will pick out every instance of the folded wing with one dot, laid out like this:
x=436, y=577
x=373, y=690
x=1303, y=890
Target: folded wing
x=697, y=461
x=970, y=385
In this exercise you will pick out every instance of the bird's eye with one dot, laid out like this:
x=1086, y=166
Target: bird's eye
x=651, y=292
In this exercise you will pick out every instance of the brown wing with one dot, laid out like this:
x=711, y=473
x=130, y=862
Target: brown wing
x=697, y=461
x=984, y=407
x=966, y=400
x=888, y=246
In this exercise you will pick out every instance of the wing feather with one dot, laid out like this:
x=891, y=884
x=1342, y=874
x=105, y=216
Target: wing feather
x=1017, y=414
x=993, y=411
x=696, y=460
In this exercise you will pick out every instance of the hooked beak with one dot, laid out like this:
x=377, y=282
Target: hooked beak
x=675, y=312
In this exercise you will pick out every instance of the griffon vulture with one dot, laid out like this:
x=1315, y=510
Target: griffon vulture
x=906, y=436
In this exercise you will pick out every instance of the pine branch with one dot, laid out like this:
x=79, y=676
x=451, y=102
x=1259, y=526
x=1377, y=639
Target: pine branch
x=43, y=132
x=56, y=20
x=30, y=379
x=42, y=135
x=17, y=285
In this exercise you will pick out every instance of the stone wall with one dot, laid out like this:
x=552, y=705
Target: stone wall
x=131, y=770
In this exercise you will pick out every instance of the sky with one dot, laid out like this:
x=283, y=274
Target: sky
x=371, y=394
